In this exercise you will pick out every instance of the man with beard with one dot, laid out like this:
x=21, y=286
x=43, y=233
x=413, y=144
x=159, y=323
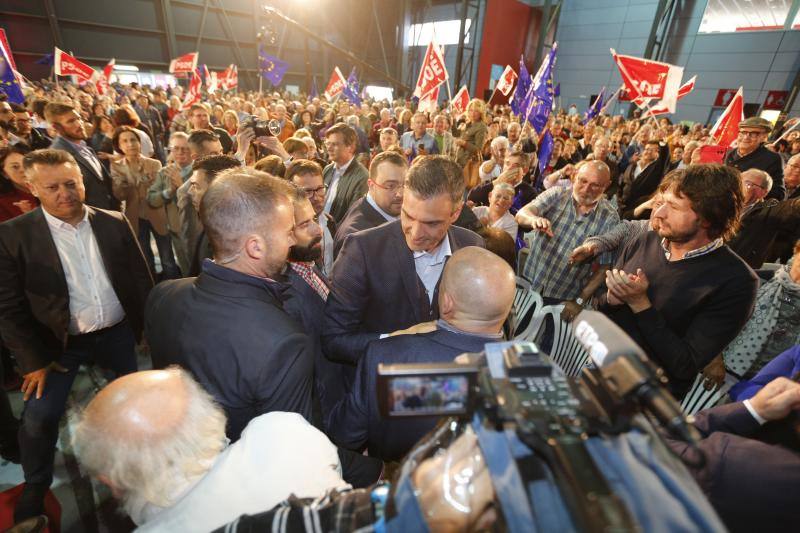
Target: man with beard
x=562, y=218
x=679, y=291
x=228, y=326
x=307, y=175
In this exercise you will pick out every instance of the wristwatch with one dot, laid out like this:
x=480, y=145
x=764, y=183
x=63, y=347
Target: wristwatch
x=579, y=301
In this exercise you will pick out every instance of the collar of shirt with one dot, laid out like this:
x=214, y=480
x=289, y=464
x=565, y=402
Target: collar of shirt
x=705, y=249
x=443, y=324
x=575, y=204
x=439, y=255
x=342, y=169
x=234, y=276
x=58, y=224
x=384, y=214
x=80, y=145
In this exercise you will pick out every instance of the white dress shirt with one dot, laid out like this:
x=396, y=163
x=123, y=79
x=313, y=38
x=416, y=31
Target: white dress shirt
x=429, y=266
x=371, y=201
x=93, y=304
x=338, y=172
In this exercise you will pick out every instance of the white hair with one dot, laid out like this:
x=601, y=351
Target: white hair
x=498, y=141
x=151, y=469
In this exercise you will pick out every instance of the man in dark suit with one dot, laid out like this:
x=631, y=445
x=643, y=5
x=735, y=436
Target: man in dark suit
x=383, y=201
x=475, y=297
x=345, y=177
x=227, y=326
x=748, y=461
x=73, y=282
x=72, y=138
x=386, y=278
x=783, y=246
x=641, y=179
x=750, y=152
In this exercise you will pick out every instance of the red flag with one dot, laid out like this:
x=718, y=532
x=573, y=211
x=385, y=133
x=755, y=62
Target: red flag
x=104, y=78
x=335, y=85
x=686, y=88
x=460, y=101
x=66, y=65
x=193, y=94
x=184, y=63
x=429, y=102
x=5, y=44
x=726, y=128
x=433, y=72
x=233, y=77
x=647, y=79
x=506, y=82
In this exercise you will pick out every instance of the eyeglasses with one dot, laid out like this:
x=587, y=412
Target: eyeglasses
x=750, y=185
x=392, y=187
x=750, y=133
x=319, y=191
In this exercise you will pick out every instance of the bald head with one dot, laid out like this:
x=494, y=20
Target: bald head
x=146, y=432
x=477, y=290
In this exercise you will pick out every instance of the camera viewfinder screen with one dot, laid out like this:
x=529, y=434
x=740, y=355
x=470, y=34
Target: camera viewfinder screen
x=419, y=395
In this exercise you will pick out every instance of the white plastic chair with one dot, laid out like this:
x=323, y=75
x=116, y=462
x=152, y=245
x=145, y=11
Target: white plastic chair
x=567, y=352
x=698, y=398
x=522, y=258
x=526, y=303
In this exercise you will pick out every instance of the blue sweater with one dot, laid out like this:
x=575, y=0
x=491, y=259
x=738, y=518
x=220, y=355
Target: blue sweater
x=786, y=364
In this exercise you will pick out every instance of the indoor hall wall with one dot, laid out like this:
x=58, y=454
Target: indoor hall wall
x=759, y=61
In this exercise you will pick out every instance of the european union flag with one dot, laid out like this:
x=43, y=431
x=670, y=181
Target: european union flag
x=8, y=80
x=542, y=92
x=48, y=59
x=518, y=101
x=545, y=151
x=595, y=108
x=350, y=90
x=314, y=89
x=272, y=68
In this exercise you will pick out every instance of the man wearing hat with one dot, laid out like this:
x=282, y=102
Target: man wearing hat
x=750, y=152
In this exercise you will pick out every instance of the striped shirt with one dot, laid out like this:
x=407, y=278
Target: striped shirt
x=547, y=267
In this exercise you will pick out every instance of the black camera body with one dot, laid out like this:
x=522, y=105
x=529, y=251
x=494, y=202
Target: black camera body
x=263, y=128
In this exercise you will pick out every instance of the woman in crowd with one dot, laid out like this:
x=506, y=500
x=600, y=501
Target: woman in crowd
x=773, y=328
x=15, y=198
x=132, y=175
x=230, y=121
x=103, y=131
x=471, y=141
x=496, y=214
x=176, y=118
x=126, y=116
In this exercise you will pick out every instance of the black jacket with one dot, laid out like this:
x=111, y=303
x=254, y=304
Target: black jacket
x=34, y=297
x=764, y=159
x=361, y=216
x=230, y=331
x=636, y=190
x=759, y=227
x=376, y=289
x=356, y=423
x=783, y=247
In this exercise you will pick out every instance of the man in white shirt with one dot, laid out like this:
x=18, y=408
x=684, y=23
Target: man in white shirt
x=73, y=282
x=157, y=439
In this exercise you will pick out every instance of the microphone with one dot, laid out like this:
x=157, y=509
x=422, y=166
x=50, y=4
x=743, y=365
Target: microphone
x=629, y=373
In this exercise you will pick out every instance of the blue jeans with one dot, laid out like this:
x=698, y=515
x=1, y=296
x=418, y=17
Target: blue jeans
x=169, y=268
x=112, y=348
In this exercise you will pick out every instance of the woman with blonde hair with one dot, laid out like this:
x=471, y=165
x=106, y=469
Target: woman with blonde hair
x=470, y=143
x=230, y=121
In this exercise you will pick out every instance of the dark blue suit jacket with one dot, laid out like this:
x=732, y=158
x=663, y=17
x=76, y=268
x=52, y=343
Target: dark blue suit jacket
x=375, y=289
x=356, y=423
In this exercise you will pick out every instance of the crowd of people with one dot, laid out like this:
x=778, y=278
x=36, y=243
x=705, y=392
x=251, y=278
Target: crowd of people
x=266, y=275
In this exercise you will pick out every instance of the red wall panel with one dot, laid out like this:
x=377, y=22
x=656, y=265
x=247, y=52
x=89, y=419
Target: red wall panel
x=505, y=35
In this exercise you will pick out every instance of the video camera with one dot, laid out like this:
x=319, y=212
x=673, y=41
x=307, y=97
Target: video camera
x=263, y=128
x=514, y=391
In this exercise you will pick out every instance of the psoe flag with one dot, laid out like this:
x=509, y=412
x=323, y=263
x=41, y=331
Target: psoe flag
x=193, y=94
x=104, y=78
x=506, y=81
x=647, y=79
x=184, y=63
x=66, y=65
x=726, y=128
x=433, y=72
x=460, y=101
x=686, y=88
x=335, y=85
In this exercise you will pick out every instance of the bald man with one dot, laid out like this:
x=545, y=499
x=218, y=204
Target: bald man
x=475, y=297
x=157, y=439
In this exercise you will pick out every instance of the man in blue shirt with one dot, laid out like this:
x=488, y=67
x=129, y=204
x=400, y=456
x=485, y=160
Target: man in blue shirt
x=418, y=141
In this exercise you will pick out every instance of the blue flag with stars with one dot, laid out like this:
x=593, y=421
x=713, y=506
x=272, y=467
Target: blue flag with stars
x=518, y=101
x=595, y=108
x=545, y=151
x=9, y=85
x=314, y=89
x=351, y=90
x=272, y=68
x=542, y=93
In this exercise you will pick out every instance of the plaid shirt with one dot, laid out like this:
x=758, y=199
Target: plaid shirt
x=703, y=250
x=548, y=267
x=306, y=271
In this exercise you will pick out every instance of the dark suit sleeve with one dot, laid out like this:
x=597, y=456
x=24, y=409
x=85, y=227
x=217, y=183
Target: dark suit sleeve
x=141, y=276
x=348, y=421
x=285, y=385
x=775, y=170
x=18, y=327
x=342, y=338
